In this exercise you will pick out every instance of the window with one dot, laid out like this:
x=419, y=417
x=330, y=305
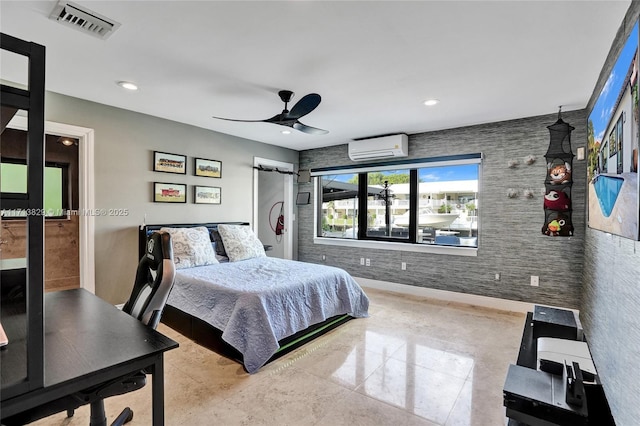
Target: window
x=339, y=213
x=613, y=146
x=422, y=202
x=619, y=135
x=14, y=181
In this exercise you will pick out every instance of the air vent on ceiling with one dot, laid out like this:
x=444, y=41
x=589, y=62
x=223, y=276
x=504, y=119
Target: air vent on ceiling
x=83, y=19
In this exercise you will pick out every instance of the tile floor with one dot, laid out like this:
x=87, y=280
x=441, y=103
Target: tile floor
x=414, y=361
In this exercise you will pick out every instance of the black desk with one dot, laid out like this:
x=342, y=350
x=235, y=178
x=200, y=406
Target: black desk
x=88, y=342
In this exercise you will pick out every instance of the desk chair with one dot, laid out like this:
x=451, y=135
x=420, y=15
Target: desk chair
x=154, y=280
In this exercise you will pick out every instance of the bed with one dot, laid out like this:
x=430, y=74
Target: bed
x=257, y=309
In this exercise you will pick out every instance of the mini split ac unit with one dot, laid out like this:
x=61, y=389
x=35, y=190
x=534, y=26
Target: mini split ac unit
x=379, y=148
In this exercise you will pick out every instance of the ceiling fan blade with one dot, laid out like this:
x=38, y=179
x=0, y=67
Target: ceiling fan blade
x=244, y=121
x=305, y=105
x=308, y=129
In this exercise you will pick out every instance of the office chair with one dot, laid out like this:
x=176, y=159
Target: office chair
x=154, y=280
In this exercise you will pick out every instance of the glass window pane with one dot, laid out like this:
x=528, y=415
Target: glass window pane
x=53, y=191
x=448, y=205
x=339, y=207
x=388, y=204
x=13, y=178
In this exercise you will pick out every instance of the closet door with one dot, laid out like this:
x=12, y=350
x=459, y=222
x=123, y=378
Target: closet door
x=22, y=283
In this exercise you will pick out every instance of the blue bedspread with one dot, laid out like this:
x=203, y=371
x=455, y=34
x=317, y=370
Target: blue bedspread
x=257, y=302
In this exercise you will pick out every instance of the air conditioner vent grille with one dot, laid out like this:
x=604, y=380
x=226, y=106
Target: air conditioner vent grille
x=85, y=20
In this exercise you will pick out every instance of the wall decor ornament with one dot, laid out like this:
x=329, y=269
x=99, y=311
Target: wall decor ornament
x=557, y=199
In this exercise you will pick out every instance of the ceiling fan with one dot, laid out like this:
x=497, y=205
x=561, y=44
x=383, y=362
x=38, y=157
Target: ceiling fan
x=290, y=118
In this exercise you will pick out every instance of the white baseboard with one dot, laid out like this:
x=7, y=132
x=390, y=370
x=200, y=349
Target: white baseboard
x=449, y=296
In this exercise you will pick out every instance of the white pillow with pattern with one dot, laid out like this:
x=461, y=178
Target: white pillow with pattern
x=191, y=247
x=240, y=242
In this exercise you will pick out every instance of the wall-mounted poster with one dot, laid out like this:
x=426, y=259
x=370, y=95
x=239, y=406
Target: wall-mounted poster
x=613, y=143
x=169, y=163
x=208, y=168
x=207, y=195
x=169, y=192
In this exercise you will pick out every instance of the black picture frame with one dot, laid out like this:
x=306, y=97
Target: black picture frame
x=207, y=168
x=164, y=192
x=303, y=198
x=165, y=162
x=207, y=194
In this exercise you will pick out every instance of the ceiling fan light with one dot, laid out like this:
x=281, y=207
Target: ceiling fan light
x=431, y=102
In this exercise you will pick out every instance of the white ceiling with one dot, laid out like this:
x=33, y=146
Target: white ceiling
x=373, y=63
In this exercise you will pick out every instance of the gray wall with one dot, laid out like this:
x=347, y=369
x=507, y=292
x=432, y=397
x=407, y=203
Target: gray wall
x=610, y=310
x=510, y=238
x=124, y=145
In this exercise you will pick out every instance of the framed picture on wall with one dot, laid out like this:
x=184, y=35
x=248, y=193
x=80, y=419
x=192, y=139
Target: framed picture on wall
x=208, y=168
x=169, y=163
x=207, y=195
x=169, y=192
x=613, y=142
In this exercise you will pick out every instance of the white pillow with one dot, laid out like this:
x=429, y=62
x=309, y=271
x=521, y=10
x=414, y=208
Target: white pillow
x=191, y=247
x=240, y=242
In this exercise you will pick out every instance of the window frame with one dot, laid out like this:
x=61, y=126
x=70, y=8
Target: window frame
x=390, y=243
x=66, y=196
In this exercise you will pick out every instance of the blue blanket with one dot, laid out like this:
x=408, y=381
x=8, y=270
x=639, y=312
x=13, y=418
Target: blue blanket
x=257, y=302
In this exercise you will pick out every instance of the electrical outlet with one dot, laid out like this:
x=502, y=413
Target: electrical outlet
x=362, y=261
x=535, y=280
x=497, y=277
x=404, y=266
x=367, y=262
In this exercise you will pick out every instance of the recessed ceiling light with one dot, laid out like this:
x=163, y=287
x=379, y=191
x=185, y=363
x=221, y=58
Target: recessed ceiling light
x=66, y=141
x=286, y=132
x=128, y=85
x=431, y=102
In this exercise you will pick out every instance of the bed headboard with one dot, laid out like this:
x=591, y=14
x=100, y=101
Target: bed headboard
x=145, y=230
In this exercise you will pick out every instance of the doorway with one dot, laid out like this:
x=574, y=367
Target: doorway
x=86, y=196
x=273, y=206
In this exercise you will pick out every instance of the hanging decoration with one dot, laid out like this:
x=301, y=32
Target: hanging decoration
x=557, y=199
x=277, y=225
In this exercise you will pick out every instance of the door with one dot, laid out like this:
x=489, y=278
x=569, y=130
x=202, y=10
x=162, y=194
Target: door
x=273, y=210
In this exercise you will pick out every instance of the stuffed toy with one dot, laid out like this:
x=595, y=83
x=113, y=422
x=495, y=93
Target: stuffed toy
x=559, y=174
x=557, y=200
x=558, y=227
